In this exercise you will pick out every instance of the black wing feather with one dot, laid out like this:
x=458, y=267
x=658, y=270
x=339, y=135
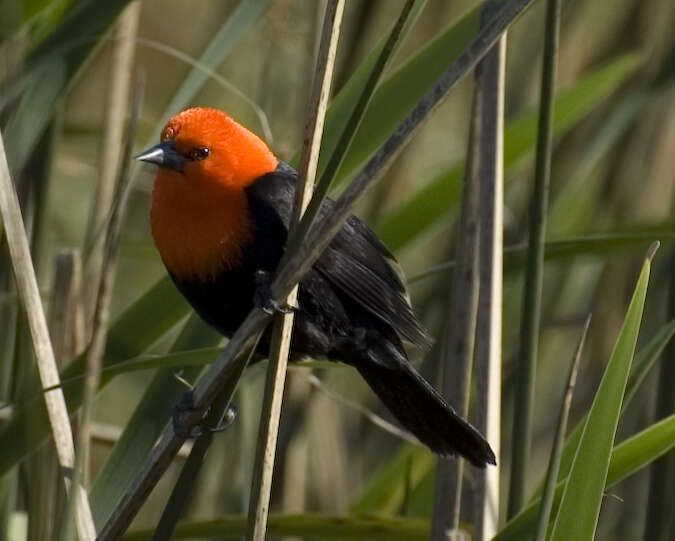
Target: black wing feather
x=356, y=261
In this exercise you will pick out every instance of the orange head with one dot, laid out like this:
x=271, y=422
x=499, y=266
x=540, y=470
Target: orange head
x=199, y=215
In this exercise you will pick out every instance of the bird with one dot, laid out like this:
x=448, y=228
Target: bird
x=220, y=210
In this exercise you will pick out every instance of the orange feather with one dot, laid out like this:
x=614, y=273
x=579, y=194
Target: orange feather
x=199, y=217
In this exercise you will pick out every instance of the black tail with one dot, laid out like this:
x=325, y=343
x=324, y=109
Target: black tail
x=422, y=411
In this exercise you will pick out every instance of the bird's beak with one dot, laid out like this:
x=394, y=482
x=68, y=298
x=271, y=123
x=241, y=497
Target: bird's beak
x=164, y=154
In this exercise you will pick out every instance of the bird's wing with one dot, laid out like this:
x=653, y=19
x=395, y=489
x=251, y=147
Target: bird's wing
x=356, y=262
x=360, y=265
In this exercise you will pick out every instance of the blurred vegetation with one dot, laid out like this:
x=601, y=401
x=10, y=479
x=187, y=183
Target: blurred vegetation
x=612, y=194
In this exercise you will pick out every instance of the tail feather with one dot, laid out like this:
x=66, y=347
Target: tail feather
x=423, y=411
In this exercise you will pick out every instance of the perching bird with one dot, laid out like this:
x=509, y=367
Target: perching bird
x=221, y=205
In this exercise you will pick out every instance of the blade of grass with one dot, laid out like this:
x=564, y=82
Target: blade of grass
x=556, y=450
x=642, y=365
x=228, y=367
x=523, y=414
x=280, y=347
x=28, y=290
x=627, y=458
x=580, y=504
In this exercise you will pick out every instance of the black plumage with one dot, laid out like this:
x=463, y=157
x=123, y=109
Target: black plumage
x=353, y=307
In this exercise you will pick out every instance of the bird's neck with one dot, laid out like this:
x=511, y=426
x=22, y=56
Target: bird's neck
x=199, y=231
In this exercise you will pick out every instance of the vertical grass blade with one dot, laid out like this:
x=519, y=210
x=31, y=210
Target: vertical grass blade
x=556, y=451
x=645, y=359
x=580, y=505
x=534, y=274
x=283, y=326
x=627, y=458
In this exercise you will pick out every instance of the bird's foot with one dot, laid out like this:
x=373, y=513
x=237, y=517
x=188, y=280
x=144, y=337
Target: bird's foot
x=183, y=422
x=226, y=421
x=183, y=417
x=262, y=297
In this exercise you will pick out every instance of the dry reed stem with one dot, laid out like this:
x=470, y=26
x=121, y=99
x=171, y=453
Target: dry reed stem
x=116, y=108
x=491, y=82
x=27, y=287
x=458, y=347
x=46, y=496
x=283, y=327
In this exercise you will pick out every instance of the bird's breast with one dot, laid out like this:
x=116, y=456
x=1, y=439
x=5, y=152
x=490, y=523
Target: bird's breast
x=199, y=231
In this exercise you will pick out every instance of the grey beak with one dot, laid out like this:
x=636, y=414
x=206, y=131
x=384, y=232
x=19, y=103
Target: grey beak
x=164, y=154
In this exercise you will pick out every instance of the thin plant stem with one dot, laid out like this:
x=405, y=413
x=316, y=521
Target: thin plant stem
x=458, y=347
x=534, y=273
x=228, y=367
x=351, y=126
x=49, y=375
x=559, y=441
x=263, y=468
x=119, y=83
x=106, y=282
x=46, y=496
x=367, y=414
x=490, y=79
x=184, y=487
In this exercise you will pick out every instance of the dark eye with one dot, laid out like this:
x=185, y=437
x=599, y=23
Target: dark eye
x=199, y=153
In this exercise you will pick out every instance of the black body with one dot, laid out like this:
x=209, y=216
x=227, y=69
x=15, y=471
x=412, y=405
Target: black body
x=352, y=308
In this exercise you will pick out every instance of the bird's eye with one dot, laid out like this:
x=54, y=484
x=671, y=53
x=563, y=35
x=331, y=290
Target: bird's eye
x=200, y=153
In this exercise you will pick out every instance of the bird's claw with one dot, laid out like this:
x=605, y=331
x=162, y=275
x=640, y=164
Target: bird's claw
x=181, y=419
x=263, y=299
x=227, y=420
x=185, y=409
